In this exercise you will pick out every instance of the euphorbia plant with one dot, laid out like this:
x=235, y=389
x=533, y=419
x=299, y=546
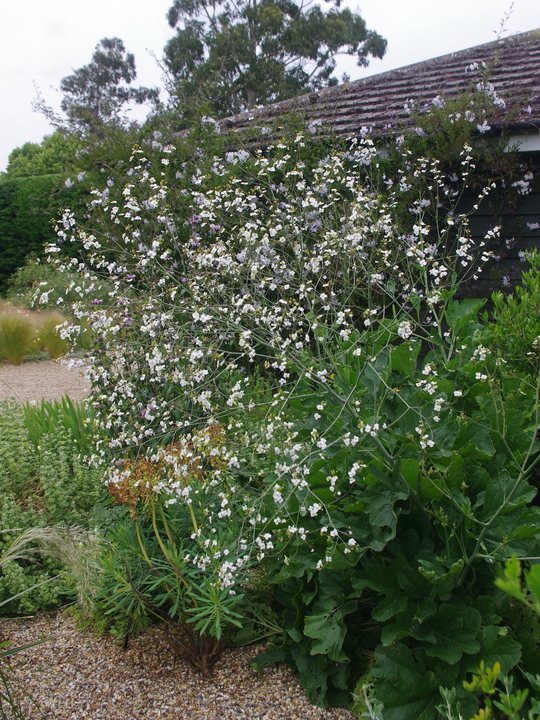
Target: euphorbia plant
x=181, y=557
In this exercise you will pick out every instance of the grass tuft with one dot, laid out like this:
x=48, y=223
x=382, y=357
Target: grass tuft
x=17, y=334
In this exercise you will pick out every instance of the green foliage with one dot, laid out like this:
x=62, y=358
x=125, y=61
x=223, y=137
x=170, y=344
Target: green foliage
x=76, y=548
x=47, y=416
x=437, y=501
x=38, y=284
x=96, y=93
x=491, y=682
x=23, y=283
x=54, y=155
x=259, y=52
x=23, y=333
x=44, y=480
x=48, y=330
x=10, y=696
x=516, y=320
x=179, y=563
x=383, y=458
x=511, y=583
x=28, y=209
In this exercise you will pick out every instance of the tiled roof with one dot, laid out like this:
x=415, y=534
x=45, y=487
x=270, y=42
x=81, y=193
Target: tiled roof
x=379, y=102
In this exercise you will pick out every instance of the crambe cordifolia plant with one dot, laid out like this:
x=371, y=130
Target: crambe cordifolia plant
x=382, y=456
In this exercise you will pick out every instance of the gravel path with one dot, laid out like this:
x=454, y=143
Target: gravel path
x=77, y=675
x=47, y=379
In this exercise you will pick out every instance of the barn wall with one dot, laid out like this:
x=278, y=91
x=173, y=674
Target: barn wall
x=521, y=232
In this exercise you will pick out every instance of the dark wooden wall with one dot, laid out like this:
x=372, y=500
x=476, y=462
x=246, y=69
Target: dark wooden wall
x=520, y=232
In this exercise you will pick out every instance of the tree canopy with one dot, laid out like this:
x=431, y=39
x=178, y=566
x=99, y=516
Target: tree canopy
x=55, y=154
x=97, y=93
x=237, y=55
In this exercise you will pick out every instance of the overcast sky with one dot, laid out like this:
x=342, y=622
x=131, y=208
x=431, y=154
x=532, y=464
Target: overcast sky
x=42, y=41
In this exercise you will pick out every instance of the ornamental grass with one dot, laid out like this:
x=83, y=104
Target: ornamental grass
x=17, y=334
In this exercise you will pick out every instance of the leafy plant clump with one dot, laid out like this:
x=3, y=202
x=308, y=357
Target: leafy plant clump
x=76, y=548
x=182, y=557
x=46, y=478
x=50, y=333
x=516, y=320
x=493, y=687
x=379, y=456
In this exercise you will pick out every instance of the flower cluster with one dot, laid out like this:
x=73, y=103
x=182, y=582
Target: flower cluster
x=285, y=288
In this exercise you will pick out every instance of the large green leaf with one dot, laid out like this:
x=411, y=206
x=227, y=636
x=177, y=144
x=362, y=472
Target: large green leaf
x=419, y=482
x=403, y=358
x=438, y=572
x=459, y=314
x=374, y=372
x=475, y=439
x=392, y=604
x=505, y=494
x=313, y=678
x=496, y=646
x=407, y=690
x=450, y=633
x=329, y=631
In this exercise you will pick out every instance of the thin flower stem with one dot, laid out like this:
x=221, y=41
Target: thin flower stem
x=166, y=554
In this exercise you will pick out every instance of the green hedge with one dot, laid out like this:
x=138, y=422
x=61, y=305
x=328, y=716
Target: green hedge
x=28, y=209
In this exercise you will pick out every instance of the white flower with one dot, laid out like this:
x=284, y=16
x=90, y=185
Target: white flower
x=405, y=330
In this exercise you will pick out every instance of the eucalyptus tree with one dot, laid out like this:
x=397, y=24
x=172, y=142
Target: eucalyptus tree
x=234, y=55
x=97, y=93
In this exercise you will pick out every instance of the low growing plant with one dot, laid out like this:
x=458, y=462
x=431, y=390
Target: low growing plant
x=76, y=549
x=42, y=484
x=181, y=558
x=516, y=320
x=47, y=416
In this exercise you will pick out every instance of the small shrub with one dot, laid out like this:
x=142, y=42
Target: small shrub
x=23, y=282
x=75, y=418
x=516, y=320
x=179, y=562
